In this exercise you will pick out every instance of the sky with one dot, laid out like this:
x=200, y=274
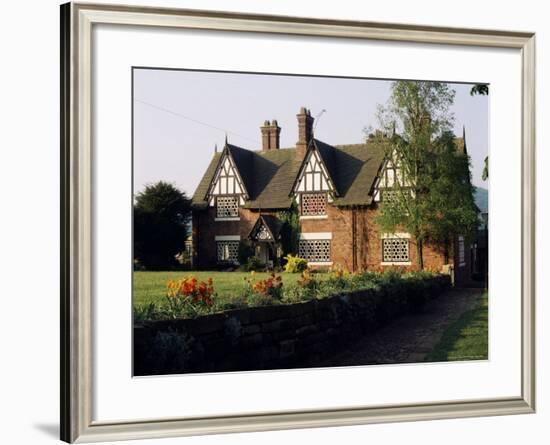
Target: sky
x=181, y=116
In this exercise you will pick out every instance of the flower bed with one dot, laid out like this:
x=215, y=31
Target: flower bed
x=190, y=298
x=286, y=334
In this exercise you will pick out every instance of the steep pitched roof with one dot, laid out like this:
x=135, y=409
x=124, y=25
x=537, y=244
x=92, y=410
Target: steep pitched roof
x=199, y=197
x=272, y=223
x=243, y=160
x=357, y=167
x=270, y=175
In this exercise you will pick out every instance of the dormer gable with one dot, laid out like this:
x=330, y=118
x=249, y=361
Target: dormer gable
x=391, y=177
x=227, y=180
x=314, y=176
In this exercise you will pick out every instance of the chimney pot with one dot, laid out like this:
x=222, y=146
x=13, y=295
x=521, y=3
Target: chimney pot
x=270, y=135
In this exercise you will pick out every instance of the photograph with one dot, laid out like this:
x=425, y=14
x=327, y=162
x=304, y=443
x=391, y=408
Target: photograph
x=296, y=221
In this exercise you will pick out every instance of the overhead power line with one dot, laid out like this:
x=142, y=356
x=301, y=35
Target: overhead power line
x=196, y=121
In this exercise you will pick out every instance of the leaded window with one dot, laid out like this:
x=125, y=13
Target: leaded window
x=389, y=195
x=227, y=207
x=314, y=251
x=395, y=250
x=227, y=251
x=314, y=204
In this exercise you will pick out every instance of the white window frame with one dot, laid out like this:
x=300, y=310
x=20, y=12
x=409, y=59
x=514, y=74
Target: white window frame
x=226, y=238
x=318, y=236
x=321, y=216
x=227, y=218
x=398, y=235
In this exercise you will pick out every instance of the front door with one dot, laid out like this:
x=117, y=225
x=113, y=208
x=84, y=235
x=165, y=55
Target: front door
x=263, y=253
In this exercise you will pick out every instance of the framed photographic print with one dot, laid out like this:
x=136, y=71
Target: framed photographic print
x=276, y=222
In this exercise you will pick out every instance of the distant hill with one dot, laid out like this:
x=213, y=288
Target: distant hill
x=481, y=197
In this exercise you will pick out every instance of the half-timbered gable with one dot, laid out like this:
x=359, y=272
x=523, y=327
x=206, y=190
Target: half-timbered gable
x=392, y=178
x=314, y=188
x=227, y=191
x=313, y=176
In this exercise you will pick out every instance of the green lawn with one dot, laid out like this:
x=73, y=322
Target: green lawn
x=467, y=338
x=151, y=286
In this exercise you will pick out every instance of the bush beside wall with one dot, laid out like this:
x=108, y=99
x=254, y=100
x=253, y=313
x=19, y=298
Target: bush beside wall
x=274, y=337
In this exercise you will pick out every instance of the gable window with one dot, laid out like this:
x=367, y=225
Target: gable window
x=389, y=195
x=227, y=207
x=396, y=249
x=227, y=251
x=313, y=204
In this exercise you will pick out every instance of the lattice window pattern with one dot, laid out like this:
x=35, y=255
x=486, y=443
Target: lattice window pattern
x=263, y=233
x=314, y=204
x=227, y=251
x=314, y=251
x=389, y=195
x=227, y=206
x=395, y=250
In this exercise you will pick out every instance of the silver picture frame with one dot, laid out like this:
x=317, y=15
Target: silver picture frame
x=77, y=389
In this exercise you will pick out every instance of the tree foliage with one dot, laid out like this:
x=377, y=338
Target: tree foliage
x=161, y=217
x=435, y=201
x=290, y=230
x=450, y=205
x=485, y=173
x=480, y=88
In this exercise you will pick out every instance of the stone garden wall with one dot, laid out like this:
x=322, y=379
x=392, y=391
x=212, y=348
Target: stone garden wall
x=274, y=337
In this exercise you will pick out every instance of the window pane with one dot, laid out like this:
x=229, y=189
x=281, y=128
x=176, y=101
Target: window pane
x=227, y=206
x=314, y=204
x=315, y=251
x=227, y=251
x=395, y=250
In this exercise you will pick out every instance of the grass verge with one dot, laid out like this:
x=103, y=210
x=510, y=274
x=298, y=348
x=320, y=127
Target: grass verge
x=467, y=338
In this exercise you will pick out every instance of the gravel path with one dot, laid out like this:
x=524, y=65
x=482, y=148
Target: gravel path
x=410, y=338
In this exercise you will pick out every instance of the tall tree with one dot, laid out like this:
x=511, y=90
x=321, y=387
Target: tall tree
x=450, y=204
x=421, y=111
x=161, y=218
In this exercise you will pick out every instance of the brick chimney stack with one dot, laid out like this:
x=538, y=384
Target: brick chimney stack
x=271, y=133
x=305, y=130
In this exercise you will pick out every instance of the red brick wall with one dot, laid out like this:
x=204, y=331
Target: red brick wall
x=366, y=247
x=432, y=255
x=206, y=228
x=368, y=243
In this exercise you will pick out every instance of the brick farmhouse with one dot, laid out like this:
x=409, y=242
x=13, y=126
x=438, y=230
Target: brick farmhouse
x=338, y=190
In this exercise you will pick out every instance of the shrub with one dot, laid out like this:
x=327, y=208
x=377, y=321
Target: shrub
x=260, y=299
x=145, y=312
x=295, y=264
x=245, y=252
x=339, y=279
x=253, y=264
x=236, y=301
x=307, y=288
